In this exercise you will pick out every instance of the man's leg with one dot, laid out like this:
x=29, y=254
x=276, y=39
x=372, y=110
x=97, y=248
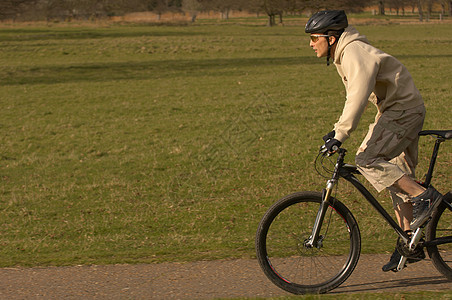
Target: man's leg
x=404, y=214
x=409, y=186
x=423, y=200
x=387, y=159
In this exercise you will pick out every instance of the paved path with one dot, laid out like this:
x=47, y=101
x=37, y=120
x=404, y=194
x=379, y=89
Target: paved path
x=197, y=280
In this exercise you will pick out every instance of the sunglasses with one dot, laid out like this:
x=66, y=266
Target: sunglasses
x=315, y=38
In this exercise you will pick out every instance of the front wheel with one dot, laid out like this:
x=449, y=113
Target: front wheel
x=289, y=263
x=440, y=229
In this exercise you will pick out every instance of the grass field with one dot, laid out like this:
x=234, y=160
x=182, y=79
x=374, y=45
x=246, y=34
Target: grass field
x=369, y=296
x=136, y=143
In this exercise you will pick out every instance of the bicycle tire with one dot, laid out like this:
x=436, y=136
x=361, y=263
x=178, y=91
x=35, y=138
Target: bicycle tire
x=441, y=226
x=293, y=267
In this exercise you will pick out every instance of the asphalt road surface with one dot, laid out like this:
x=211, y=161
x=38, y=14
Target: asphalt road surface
x=199, y=280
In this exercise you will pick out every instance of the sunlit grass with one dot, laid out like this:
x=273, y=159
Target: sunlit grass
x=150, y=144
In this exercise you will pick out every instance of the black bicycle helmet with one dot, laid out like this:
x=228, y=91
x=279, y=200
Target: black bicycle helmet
x=326, y=20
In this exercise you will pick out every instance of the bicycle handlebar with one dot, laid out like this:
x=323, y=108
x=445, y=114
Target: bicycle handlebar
x=324, y=150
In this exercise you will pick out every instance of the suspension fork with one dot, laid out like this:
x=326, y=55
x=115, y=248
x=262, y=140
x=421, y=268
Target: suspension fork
x=315, y=240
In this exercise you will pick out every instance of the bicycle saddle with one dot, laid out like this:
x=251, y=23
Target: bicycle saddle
x=445, y=134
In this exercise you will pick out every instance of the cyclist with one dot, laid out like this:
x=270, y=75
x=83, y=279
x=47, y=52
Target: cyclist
x=388, y=155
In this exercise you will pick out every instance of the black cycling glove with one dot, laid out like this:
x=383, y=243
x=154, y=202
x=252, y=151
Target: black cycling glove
x=329, y=136
x=332, y=145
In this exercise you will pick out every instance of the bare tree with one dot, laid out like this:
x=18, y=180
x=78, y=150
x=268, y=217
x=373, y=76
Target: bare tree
x=443, y=4
x=413, y=4
x=11, y=9
x=448, y=4
x=69, y=9
x=397, y=5
x=85, y=9
x=381, y=8
x=429, y=9
x=278, y=8
x=253, y=6
x=157, y=6
x=424, y=5
x=57, y=9
x=193, y=7
x=223, y=6
x=420, y=10
x=350, y=5
x=273, y=8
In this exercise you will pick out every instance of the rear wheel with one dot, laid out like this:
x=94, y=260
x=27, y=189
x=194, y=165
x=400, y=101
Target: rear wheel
x=298, y=269
x=440, y=228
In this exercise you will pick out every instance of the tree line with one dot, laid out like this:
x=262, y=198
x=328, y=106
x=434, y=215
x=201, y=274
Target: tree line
x=27, y=10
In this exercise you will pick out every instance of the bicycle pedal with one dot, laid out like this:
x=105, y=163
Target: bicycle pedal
x=395, y=270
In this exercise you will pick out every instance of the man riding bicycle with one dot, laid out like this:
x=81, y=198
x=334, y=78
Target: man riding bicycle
x=388, y=155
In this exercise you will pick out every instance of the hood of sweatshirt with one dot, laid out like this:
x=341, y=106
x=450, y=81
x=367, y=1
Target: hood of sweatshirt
x=349, y=35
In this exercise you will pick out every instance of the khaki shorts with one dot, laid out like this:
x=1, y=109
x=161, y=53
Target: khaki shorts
x=390, y=150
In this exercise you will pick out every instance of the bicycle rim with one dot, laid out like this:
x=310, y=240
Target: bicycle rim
x=295, y=268
x=440, y=226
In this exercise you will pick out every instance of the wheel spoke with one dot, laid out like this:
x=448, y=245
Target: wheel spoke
x=281, y=240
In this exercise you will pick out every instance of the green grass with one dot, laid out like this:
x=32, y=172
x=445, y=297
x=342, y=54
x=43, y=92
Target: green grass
x=136, y=143
x=387, y=296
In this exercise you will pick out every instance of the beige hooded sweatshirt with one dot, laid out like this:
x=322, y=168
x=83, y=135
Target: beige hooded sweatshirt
x=369, y=74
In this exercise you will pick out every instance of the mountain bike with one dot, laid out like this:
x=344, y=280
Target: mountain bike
x=310, y=242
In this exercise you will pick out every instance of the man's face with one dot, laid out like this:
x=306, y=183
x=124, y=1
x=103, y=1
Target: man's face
x=319, y=44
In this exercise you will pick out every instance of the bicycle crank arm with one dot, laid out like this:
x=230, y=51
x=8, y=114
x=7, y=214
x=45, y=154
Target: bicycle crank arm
x=402, y=263
x=416, y=238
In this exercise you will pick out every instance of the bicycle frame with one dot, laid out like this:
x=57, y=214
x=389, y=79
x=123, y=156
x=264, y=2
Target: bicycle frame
x=346, y=171
x=374, y=202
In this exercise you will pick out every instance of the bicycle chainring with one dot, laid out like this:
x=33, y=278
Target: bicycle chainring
x=405, y=251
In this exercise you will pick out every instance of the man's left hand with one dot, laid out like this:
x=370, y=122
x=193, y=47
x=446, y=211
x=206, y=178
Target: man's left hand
x=332, y=145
